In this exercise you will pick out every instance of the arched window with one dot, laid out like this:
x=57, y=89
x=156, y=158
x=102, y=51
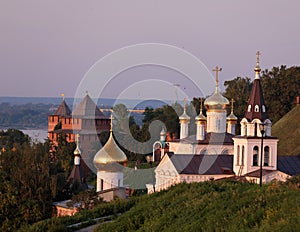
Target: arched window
x=266, y=155
x=249, y=108
x=243, y=155
x=238, y=155
x=263, y=108
x=256, y=108
x=255, y=156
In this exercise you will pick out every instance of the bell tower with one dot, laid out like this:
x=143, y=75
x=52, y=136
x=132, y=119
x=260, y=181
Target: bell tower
x=248, y=149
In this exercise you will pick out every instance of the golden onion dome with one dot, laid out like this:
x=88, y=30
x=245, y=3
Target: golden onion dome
x=110, y=153
x=231, y=117
x=77, y=151
x=184, y=116
x=216, y=101
x=200, y=117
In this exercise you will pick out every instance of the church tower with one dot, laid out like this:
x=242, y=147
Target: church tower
x=216, y=109
x=247, y=146
x=184, y=120
x=231, y=121
x=77, y=173
x=109, y=162
x=200, y=122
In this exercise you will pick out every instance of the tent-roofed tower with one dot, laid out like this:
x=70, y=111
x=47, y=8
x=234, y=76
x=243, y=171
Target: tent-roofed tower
x=87, y=109
x=247, y=146
x=55, y=120
x=256, y=104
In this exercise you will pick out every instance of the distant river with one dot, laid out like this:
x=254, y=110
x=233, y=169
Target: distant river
x=37, y=135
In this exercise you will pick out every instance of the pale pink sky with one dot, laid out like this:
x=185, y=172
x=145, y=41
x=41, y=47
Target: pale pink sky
x=46, y=47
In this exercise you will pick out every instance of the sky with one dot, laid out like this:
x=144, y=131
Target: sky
x=48, y=47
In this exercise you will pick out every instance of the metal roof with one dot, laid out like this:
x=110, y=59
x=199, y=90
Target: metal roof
x=202, y=164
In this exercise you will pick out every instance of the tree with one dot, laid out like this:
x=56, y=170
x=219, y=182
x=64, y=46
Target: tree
x=281, y=85
x=25, y=193
x=238, y=89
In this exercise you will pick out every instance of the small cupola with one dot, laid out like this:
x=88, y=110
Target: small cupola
x=77, y=152
x=184, y=117
x=231, y=117
x=200, y=117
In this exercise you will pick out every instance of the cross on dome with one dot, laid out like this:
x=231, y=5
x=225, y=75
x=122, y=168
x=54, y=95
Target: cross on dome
x=217, y=70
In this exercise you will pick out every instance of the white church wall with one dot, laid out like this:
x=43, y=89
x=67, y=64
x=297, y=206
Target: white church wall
x=109, y=180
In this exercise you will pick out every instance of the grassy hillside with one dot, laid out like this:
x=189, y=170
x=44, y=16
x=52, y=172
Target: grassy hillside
x=214, y=206
x=287, y=129
x=209, y=206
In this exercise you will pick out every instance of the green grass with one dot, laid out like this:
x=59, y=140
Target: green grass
x=209, y=206
x=214, y=206
x=287, y=129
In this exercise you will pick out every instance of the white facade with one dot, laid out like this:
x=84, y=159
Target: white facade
x=216, y=121
x=200, y=130
x=109, y=180
x=247, y=154
x=184, y=129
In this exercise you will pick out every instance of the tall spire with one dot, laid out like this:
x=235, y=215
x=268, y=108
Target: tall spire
x=256, y=104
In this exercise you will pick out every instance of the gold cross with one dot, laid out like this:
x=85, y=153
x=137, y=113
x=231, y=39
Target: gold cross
x=217, y=70
x=184, y=103
x=201, y=100
x=257, y=57
x=77, y=138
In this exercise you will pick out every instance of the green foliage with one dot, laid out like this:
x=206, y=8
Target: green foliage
x=10, y=137
x=85, y=216
x=214, y=206
x=25, y=194
x=281, y=85
x=238, y=89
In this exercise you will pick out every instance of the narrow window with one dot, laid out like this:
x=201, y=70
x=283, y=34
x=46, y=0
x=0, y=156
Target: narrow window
x=255, y=156
x=249, y=108
x=238, y=155
x=243, y=153
x=266, y=156
x=256, y=108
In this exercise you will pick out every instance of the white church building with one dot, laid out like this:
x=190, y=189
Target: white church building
x=216, y=152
